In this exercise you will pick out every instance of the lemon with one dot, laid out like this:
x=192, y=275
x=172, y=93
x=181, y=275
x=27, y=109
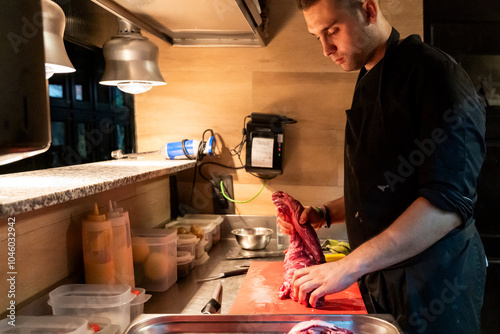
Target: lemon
x=140, y=249
x=156, y=266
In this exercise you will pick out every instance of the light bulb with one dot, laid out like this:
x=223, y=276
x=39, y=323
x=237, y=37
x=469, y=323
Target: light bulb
x=134, y=87
x=49, y=72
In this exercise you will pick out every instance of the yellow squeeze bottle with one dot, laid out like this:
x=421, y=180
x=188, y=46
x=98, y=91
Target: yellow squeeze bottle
x=97, y=239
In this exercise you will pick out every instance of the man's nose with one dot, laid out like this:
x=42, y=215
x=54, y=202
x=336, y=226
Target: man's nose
x=328, y=48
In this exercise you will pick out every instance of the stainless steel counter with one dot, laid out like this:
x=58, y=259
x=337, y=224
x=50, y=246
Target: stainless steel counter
x=189, y=297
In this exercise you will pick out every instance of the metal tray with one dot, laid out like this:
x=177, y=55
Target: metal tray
x=161, y=324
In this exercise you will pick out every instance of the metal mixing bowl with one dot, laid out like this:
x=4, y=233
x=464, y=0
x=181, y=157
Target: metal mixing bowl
x=253, y=238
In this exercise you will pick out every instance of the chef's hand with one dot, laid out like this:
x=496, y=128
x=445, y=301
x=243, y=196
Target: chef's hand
x=321, y=280
x=308, y=215
x=312, y=216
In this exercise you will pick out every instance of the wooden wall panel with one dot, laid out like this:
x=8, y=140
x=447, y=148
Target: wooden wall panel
x=217, y=87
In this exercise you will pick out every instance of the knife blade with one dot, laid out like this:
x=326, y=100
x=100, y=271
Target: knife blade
x=225, y=274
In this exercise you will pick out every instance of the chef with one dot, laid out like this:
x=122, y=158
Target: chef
x=414, y=145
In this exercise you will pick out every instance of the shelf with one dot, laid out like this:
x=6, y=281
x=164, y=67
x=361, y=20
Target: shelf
x=27, y=191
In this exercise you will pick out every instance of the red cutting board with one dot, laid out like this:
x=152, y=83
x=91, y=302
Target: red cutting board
x=259, y=295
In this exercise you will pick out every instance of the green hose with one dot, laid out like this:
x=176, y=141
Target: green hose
x=241, y=202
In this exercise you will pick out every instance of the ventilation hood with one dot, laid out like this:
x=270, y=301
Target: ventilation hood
x=196, y=22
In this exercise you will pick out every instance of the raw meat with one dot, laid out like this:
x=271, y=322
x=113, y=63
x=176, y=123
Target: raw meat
x=317, y=327
x=304, y=250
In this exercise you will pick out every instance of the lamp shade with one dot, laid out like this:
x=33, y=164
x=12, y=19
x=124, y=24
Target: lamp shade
x=131, y=61
x=54, y=21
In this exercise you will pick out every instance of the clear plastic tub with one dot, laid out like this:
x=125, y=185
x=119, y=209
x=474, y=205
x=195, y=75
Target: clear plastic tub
x=207, y=227
x=209, y=218
x=104, y=326
x=137, y=305
x=93, y=300
x=184, y=263
x=155, y=258
x=45, y=324
x=187, y=243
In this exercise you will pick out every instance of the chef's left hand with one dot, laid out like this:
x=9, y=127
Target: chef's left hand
x=321, y=280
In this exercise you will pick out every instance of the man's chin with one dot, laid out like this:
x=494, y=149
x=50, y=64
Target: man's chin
x=348, y=67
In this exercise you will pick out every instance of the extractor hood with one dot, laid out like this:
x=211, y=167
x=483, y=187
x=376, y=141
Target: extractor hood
x=196, y=22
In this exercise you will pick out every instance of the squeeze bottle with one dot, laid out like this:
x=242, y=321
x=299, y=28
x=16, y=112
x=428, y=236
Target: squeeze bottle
x=122, y=247
x=97, y=238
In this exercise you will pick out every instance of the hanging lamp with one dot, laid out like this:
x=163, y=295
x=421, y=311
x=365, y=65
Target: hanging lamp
x=56, y=58
x=131, y=61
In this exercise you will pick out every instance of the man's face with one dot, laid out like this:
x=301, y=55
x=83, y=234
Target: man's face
x=344, y=33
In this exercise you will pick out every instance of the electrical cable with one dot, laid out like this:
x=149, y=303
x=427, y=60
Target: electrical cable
x=240, y=202
x=217, y=164
x=238, y=148
x=198, y=157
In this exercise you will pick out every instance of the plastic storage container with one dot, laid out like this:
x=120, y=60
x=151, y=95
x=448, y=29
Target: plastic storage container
x=184, y=263
x=208, y=218
x=93, y=300
x=155, y=258
x=207, y=228
x=45, y=324
x=137, y=305
x=187, y=243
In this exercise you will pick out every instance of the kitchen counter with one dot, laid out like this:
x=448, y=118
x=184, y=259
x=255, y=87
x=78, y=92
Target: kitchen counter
x=189, y=297
x=27, y=191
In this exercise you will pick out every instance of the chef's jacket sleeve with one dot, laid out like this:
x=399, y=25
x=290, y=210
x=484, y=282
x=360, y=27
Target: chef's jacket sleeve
x=451, y=136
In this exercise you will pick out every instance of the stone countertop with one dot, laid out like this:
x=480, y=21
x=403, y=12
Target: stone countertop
x=27, y=191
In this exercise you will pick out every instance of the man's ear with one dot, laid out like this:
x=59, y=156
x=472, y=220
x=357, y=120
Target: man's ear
x=371, y=10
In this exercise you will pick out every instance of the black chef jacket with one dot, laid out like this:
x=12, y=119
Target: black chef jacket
x=416, y=129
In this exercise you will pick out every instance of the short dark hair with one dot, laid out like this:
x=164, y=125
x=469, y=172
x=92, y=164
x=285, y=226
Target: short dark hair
x=305, y=4
x=347, y=4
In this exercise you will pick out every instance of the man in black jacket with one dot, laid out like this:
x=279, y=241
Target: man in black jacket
x=414, y=145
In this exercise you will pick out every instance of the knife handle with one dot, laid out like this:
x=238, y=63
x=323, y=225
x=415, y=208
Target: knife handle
x=235, y=272
x=211, y=307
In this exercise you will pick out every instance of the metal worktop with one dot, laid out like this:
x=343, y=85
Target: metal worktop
x=188, y=297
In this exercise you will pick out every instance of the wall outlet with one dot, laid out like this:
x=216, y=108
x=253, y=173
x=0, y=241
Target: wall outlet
x=221, y=204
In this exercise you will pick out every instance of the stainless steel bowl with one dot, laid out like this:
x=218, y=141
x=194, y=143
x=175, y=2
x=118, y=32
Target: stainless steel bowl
x=253, y=238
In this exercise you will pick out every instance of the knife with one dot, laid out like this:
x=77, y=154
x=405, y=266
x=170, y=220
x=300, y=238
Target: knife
x=225, y=274
x=214, y=304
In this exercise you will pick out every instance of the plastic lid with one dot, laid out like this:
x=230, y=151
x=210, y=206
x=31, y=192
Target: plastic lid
x=205, y=225
x=141, y=297
x=202, y=259
x=119, y=209
x=112, y=213
x=187, y=239
x=90, y=295
x=216, y=219
x=184, y=257
x=155, y=236
x=45, y=324
x=96, y=216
